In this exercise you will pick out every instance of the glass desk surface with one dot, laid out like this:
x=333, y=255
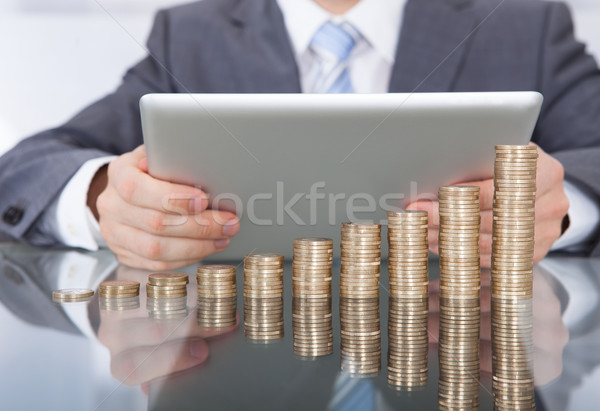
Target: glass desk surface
x=80, y=357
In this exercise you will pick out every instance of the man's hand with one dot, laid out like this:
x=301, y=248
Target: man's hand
x=550, y=208
x=154, y=224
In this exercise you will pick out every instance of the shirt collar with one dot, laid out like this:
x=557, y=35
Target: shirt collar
x=377, y=20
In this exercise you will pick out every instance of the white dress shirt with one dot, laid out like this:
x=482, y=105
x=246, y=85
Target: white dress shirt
x=370, y=67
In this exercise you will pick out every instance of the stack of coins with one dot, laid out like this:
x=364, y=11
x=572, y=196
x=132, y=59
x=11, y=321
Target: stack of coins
x=512, y=276
x=263, y=297
x=312, y=325
x=216, y=281
x=360, y=260
x=361, y=336
x=359, y=298
x=217, y=295
x=167, y=308
x=408, y=254
x=167, y=285
x=70, y=295
x=263, y=276
x=119, y=295
x=311, y=285
x=460, y=281
x=119, y=289
x=312, y=267
x=408, y=344
x=409, y=297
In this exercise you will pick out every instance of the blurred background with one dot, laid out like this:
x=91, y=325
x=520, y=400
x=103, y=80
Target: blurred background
x=59, y=55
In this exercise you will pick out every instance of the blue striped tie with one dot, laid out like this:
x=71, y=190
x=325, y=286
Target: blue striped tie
x=334, y=43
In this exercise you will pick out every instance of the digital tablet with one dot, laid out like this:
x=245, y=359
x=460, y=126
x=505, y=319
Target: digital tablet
x=296, y=165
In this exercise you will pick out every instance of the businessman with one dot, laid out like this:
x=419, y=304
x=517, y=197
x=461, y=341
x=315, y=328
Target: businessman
x=85, y=184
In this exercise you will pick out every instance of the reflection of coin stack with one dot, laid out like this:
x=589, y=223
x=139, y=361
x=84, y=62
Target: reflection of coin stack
x=167, y=308
x=311, y=321
x=119, y=295
x=217, y=295
x=263, y=297
x=409, y=280
x=359, y=298
x=311, y=284
x=459, y=297
x=361, y=336
x=512, y=276
x=167, y=295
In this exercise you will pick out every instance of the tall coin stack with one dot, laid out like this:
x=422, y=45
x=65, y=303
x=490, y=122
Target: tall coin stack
x=409, y=298
x=512, y=277
x=460, y=282
x=263, y=297
x=119, y=295
x=166, y=294
x=359, y=298
x=217, y=295
x=311, y=285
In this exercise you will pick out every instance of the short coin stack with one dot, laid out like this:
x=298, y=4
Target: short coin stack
x=311, y=285
x=359, y=298
x=119, y=295
x=360, y=260
x=512, y=276
x=119, y=289
x=71, y=295
x=460, y=281
x=409, y=297
x=312, y=325
x=311, y=265
x=217, y=295
x=167, y=285
x=166, y=294
x=263, y=297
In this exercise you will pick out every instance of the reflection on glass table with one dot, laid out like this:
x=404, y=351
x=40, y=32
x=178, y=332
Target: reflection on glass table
x=181, y=363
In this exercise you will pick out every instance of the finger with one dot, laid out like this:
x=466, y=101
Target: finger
x=553, y=205
x=432, y=208
x=141, y=250
x=209, y=224
x=137, y=187
x=144, y=364
x=550, y=172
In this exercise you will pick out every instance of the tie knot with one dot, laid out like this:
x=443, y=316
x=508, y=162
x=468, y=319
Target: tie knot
x=335, y=40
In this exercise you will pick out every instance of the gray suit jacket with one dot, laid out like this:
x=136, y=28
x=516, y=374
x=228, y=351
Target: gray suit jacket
x=226, y=46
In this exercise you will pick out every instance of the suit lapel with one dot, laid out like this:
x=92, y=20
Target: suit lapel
x=271, y=65
x=432, y=45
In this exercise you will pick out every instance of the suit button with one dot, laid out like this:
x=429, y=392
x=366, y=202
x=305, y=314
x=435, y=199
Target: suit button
x=12, y=215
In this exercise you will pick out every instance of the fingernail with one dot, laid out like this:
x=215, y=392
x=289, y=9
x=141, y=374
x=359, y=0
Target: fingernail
x=222, y=243
x=198, y=349
x=198, y=204
x=230, y=228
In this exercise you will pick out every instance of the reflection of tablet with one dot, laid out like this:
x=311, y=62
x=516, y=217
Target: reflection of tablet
x=301, y=164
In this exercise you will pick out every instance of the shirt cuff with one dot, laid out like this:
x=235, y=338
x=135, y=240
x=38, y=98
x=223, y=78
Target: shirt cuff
x=584, y=218
x=69, y=218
